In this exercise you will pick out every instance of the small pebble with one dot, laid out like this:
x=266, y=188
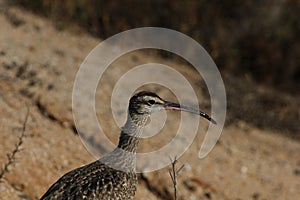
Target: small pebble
x=255, y=195
x=187, y=167
x=244, y=169
x=50, y=86
x=297, y=172
x=207, y=195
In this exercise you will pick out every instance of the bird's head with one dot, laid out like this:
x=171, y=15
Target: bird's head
x=146, y=103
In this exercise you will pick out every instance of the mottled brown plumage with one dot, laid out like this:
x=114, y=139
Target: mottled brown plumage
x=113, y=177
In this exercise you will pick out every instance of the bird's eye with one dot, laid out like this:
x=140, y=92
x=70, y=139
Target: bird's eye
x=151, y=102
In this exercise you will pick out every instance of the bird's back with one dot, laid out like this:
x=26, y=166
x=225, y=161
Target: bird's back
x=94, y=181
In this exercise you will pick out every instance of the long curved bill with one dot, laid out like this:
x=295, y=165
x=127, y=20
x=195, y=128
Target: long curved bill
x=174, y=106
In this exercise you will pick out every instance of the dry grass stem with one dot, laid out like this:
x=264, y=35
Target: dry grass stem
x=11, y=157
x=173, y=174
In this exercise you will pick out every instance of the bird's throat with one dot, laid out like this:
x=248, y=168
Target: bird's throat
x=131, y=132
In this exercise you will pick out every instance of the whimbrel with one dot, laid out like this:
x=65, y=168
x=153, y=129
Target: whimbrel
x=113, y=176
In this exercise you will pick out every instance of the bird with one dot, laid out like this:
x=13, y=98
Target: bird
x=113, y=177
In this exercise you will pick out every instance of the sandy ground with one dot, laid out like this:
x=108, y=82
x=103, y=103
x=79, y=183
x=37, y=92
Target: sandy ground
x=38, y=64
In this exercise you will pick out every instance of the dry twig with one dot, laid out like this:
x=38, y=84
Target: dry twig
x=11, y=157
x=173, y=174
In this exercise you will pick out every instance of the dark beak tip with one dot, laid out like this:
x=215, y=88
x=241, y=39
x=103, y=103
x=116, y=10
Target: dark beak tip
x=213, y=121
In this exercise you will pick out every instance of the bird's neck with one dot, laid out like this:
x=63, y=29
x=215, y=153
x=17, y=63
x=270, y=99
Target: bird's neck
x=124, y=156
x=131, y=132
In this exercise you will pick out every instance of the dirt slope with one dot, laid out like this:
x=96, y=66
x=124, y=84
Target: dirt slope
x=38, y=65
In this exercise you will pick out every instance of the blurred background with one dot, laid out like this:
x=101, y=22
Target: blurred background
x=259, y=39
x=254, y=42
